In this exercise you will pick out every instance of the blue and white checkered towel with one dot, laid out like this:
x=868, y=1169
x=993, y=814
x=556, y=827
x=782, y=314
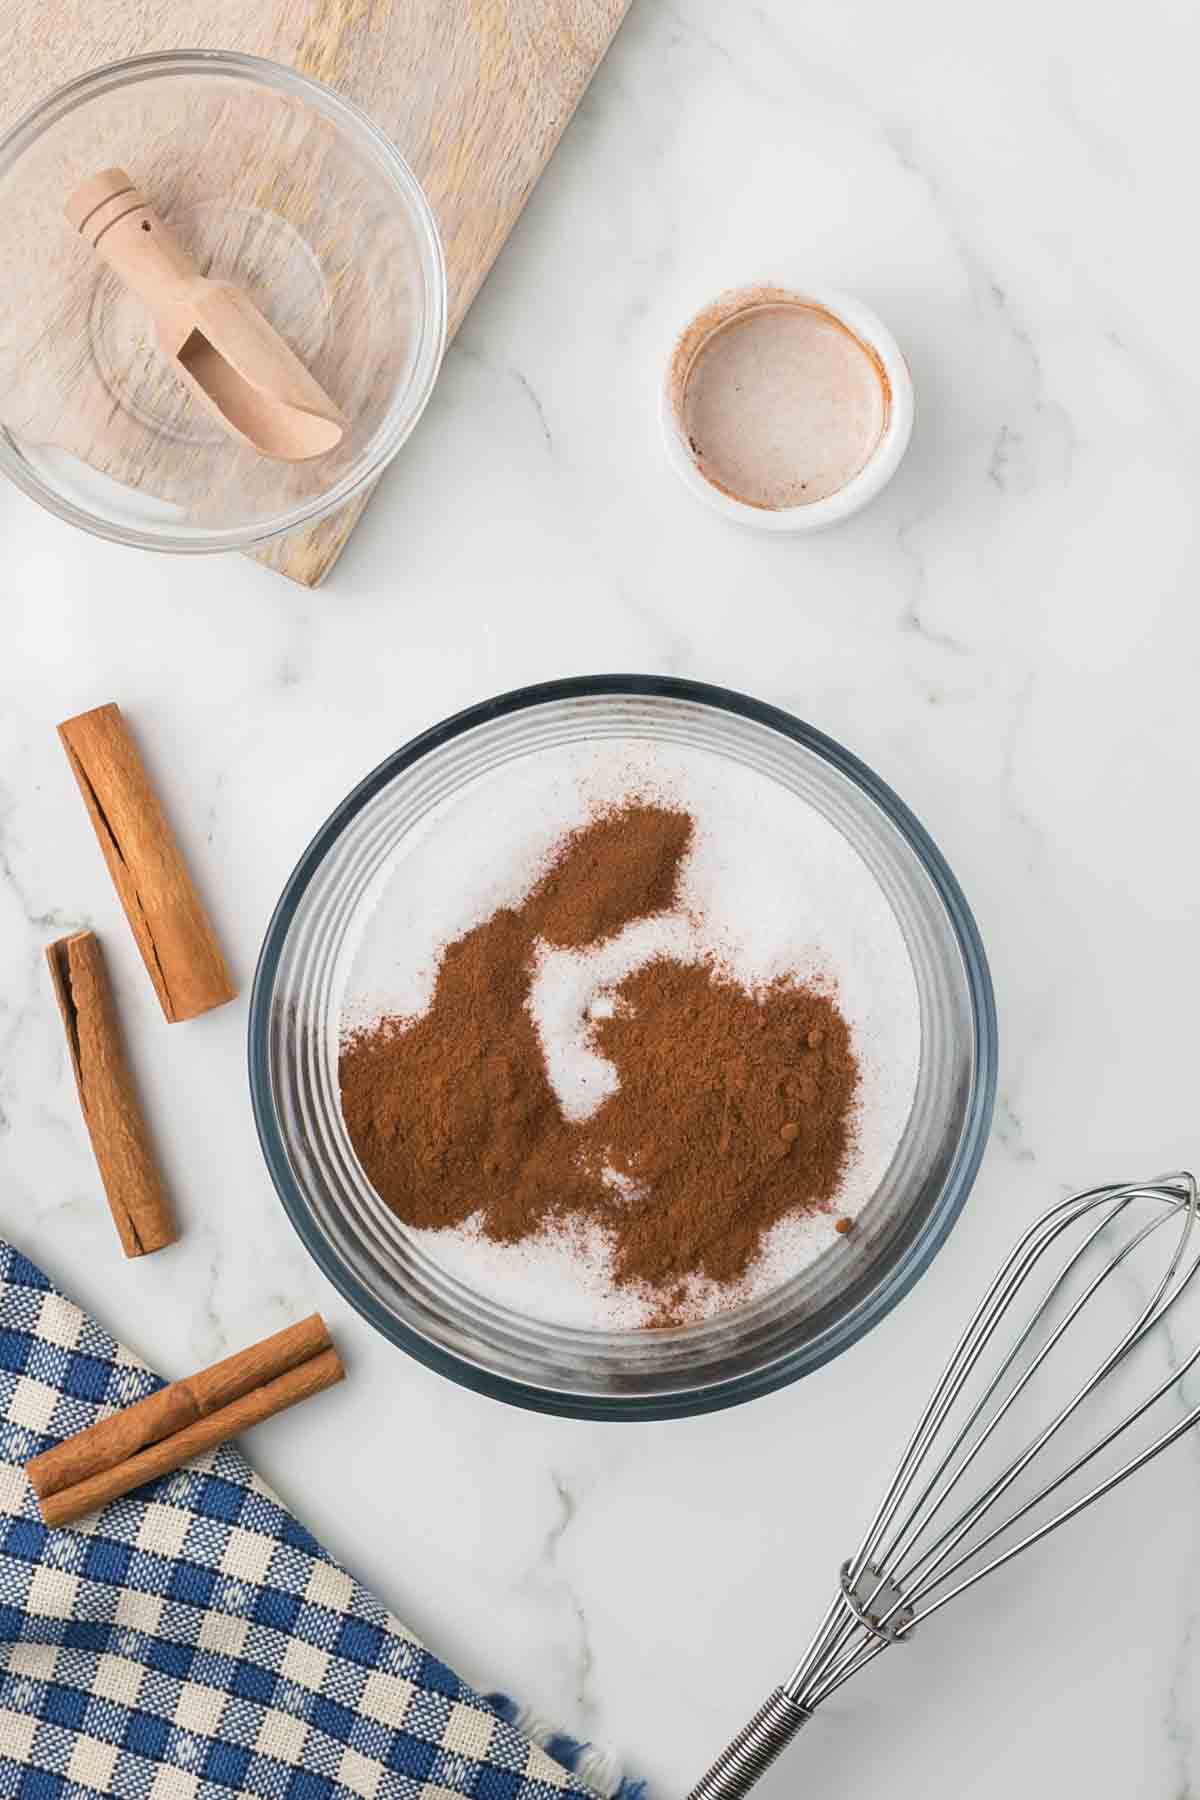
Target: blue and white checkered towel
x=192, y=1641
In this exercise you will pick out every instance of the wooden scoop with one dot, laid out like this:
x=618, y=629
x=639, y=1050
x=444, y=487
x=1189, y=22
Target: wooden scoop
x=235, y=363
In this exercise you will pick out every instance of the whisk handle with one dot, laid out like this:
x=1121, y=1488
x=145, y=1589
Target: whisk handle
x=753, y=1750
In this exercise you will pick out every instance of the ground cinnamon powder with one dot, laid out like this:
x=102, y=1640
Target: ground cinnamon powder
x=734, y=1108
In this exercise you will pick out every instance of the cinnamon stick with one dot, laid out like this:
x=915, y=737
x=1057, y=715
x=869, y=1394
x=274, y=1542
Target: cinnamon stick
x=173, y=933
x=147, y=1440
x=163, y=1458
x=121, y=1143
x=173, y=1408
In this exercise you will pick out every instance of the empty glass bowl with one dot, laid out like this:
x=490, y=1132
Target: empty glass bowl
x=270, y=181
x=297, y=1017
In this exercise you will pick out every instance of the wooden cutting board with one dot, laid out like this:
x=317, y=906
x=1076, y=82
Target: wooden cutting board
x=475, y=93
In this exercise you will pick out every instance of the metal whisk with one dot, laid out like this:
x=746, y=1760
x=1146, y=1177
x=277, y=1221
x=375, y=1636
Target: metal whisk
x=970, y=1494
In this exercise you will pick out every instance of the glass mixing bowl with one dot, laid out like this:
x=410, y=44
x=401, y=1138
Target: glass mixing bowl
x=296, y=1018
x=271, y=181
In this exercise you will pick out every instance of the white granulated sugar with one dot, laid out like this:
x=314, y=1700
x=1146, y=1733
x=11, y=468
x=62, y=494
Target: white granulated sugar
x=771, y=887
x=573, y=987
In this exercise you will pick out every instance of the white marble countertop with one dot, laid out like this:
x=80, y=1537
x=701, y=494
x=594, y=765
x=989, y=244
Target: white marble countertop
x=1010, y=636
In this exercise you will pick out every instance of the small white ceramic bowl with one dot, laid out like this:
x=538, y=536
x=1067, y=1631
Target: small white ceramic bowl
x=879, y=468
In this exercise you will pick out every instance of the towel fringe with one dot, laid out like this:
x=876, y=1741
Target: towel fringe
x=596, y=1766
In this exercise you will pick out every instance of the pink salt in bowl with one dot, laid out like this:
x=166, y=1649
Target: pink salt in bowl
x=785, y=410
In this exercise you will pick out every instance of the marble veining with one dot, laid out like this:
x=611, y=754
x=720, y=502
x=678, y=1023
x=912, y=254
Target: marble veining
x=1009, y=635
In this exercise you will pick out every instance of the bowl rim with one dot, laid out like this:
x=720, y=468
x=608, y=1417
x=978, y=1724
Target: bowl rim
x=393, y=431
x=956, y=1184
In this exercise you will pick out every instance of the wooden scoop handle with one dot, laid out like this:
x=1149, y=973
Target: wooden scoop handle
x=134, y=241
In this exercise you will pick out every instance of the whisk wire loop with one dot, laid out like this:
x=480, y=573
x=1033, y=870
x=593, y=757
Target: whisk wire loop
x=955, y=1532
